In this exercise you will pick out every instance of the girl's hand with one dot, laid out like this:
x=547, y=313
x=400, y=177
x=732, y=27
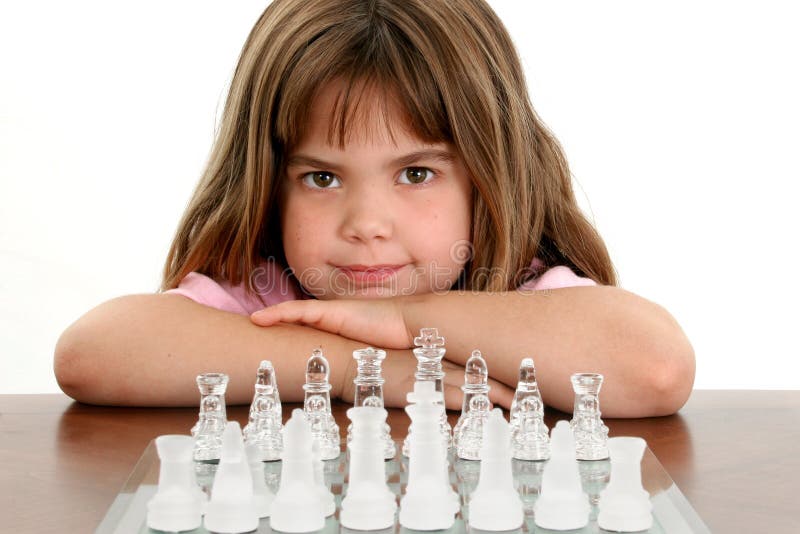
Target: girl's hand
x=377, y=322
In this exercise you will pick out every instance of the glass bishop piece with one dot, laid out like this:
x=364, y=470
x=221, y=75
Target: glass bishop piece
x=429, y=353
x=207, y=432
x=369, y=392
x=529, y=435
x=591, y=435
x=263, y=430
x=317, y=405
x=475, y=410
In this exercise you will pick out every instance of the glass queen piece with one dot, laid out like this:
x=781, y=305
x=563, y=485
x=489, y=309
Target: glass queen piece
x=369, y=392
x=207, y=432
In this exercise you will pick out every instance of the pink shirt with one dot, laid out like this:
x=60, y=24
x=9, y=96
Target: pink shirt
x=273, y=285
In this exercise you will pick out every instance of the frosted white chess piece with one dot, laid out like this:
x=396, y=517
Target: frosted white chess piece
x=297, y=507
x=475, y=410
x=369, y=392
x=429, y=353
x=562, y=504
x=232, y=507
x=323, y=492
x=210, y=425
x=624, y=504
x=495, y=504
x=177, y=505
x=591, y=435
x=263, y=428
x=317, y=405
x=369, y=503
x=529, y=434
x=430, y=502
x=262, y=495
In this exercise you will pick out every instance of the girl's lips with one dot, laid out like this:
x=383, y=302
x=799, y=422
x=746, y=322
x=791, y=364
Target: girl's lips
x=367, y=273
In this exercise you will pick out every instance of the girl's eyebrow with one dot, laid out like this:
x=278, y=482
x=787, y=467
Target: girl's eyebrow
x=444, y=156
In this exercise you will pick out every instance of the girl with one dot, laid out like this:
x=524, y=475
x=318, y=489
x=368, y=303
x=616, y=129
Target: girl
x=378, y=169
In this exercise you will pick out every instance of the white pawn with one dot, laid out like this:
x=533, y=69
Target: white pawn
x=297, y=507
x=562, y=503
x=232, y=506
x=317, y=405
x=177, y=505
x=262, y=495
x=369, y=503
x=468, y=432
x=624, y=504
x=495, y=504
x=323, y=493
x=429, y=502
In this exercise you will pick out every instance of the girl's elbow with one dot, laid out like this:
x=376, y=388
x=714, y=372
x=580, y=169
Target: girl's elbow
x=672, y=376
x=72, y=365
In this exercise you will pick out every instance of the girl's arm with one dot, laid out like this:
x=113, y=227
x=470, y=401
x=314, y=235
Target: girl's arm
x=647, y=361
x=146, y=350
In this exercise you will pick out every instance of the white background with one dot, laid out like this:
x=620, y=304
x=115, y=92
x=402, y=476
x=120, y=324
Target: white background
x=680, y=121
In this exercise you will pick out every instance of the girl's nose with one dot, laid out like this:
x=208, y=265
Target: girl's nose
x=368, y=215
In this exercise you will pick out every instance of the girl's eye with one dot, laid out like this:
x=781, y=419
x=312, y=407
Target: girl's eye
x=416, y=175
x=320, y=180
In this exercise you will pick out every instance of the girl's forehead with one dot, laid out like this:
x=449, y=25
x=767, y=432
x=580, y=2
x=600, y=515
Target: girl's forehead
x=371, y=116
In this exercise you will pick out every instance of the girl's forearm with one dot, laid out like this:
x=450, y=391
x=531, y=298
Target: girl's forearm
x=646, y=359
x=146, y=350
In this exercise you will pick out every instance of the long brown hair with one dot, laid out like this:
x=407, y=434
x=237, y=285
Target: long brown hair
x=454, y=69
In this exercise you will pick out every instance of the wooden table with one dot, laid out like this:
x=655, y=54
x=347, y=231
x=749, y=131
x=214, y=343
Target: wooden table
x=732, y=453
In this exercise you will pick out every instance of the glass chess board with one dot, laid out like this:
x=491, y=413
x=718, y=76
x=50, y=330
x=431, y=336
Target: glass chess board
x=672, y=513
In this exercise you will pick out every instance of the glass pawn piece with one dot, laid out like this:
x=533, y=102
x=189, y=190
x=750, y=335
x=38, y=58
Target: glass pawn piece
x=369, y=392
x=263, y=430
x=208, y=430
x=475, y=410
x=429, y=353
x=530, y=439
x=591, y=435
x=317, y=406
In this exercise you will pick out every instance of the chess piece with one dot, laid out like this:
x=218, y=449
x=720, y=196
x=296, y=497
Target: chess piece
x=591, y=435
x=232, y=507
x=624, y=504
x=529, y=437
x=177, y=504
x=317, y=406
x=562, y=504
x=263, y=428
x=369, y=503
x=207, y=432
x=430, y=502
x=429, y=353
x=476, y=407
x=526, y=387
x=495, y=504
x=369, y=392
x=262, y=495
x=297, y=506
x=323, y=492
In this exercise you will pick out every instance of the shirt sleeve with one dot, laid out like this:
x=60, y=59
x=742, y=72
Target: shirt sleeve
x=270, y=285
x=554, y=278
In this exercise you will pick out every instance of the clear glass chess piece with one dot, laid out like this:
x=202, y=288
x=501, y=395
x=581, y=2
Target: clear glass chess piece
x=369, y=392
x=429, y=353
x=526, y=387
x=591, y=435
x=530, y=439
x=476, y=408
x=208, y=430
x=263, y=429
x=317, y=405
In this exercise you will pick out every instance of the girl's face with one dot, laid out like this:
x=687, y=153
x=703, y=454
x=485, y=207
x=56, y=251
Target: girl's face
x=376, y=219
